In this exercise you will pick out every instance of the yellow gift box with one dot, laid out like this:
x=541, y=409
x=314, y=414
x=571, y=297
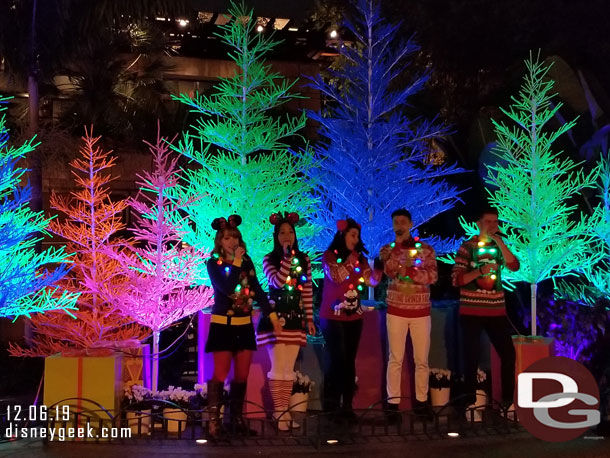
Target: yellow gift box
x=88, y=384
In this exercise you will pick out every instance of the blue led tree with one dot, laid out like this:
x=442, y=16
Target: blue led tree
x=26, y=281
x=534, y=191
x=374, y=157
x=239, y=147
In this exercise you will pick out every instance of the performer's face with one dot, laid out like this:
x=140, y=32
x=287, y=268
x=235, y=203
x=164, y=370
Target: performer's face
x=402, y=225
x=352, y=237
x=286, y=235
x=229, y=243
x=488, y=224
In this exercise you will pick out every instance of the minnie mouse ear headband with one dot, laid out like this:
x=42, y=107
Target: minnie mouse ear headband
x=221, y=223
x=277, y=218
x=345, y=224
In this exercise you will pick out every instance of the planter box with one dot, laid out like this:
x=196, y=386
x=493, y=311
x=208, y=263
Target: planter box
x=530, y=349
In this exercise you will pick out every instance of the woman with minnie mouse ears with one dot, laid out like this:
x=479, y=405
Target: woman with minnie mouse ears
x=288, y=271
x=231, y=337
x=346, y=275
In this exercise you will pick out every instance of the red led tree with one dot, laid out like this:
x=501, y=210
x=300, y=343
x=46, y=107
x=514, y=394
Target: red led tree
x=89, y=224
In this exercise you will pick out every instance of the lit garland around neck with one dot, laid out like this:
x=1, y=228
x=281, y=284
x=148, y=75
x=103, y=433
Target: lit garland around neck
x=415, y=251
x=296, y=278
x=359, y=286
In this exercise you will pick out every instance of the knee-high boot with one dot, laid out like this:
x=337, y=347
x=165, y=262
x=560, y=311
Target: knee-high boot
x=215, y=390
x=236, y=406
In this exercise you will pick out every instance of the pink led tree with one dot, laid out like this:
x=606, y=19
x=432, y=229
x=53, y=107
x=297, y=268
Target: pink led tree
x=89, y=226
x=161, y=272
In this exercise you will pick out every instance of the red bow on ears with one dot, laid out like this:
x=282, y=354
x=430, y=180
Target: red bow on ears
x=277, y=218
x=221, y=223
x=342, y=225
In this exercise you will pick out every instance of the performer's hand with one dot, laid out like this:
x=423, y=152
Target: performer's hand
x=384, y=253
x=486, y=268
x=239, y=252
x=311, y=328
x=392, y=265
x=277, y=327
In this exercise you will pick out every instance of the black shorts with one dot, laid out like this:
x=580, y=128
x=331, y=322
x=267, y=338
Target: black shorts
x=226, y=337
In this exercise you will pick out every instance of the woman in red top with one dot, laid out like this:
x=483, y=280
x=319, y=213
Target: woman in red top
x=346, y=274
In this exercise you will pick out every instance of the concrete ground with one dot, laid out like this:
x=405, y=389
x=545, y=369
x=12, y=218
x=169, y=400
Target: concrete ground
x=517, y=445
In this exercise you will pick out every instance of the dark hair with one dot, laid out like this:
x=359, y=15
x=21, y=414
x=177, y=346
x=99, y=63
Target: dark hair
x=338, y=242
x=402, y=212
x=277, y=254
x=221, y=233
x=486, y=211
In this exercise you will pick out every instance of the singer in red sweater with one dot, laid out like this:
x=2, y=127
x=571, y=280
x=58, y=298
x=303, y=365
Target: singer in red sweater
x=410, y=264
x=478, y=274
x=346, y=273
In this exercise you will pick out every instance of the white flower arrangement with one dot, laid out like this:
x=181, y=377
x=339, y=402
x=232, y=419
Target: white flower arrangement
x=177, y=395
x=440, y=378
x=137, y=397
x=302, y=384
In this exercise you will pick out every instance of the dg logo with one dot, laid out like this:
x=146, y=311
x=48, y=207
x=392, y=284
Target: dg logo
x=557, y=399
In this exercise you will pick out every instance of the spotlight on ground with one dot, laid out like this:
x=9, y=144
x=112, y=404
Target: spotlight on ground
x=332, y=441
x=202, y=441
x=453, y=434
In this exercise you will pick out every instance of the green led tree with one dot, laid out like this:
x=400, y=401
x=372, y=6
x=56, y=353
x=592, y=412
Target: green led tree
x=252, y=171
x=593, y=284
x=534, y=192
x=26, y=282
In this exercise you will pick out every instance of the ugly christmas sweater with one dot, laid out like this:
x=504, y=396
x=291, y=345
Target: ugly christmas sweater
x=291, y=296
x=342, y=279
x=409, y=295
x=236, y=288
x=484, y=296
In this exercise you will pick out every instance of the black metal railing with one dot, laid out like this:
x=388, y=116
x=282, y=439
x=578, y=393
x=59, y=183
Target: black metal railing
x=168, y=421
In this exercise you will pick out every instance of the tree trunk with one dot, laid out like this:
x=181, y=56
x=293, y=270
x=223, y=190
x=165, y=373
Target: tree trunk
x=155, y=361
x=533, y=287
x=200, y=348
x=34, y=159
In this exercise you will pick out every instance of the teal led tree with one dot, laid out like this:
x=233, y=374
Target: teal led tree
x=375, y=157
x=27, y=283
x=534, y=192
x=244, y=164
